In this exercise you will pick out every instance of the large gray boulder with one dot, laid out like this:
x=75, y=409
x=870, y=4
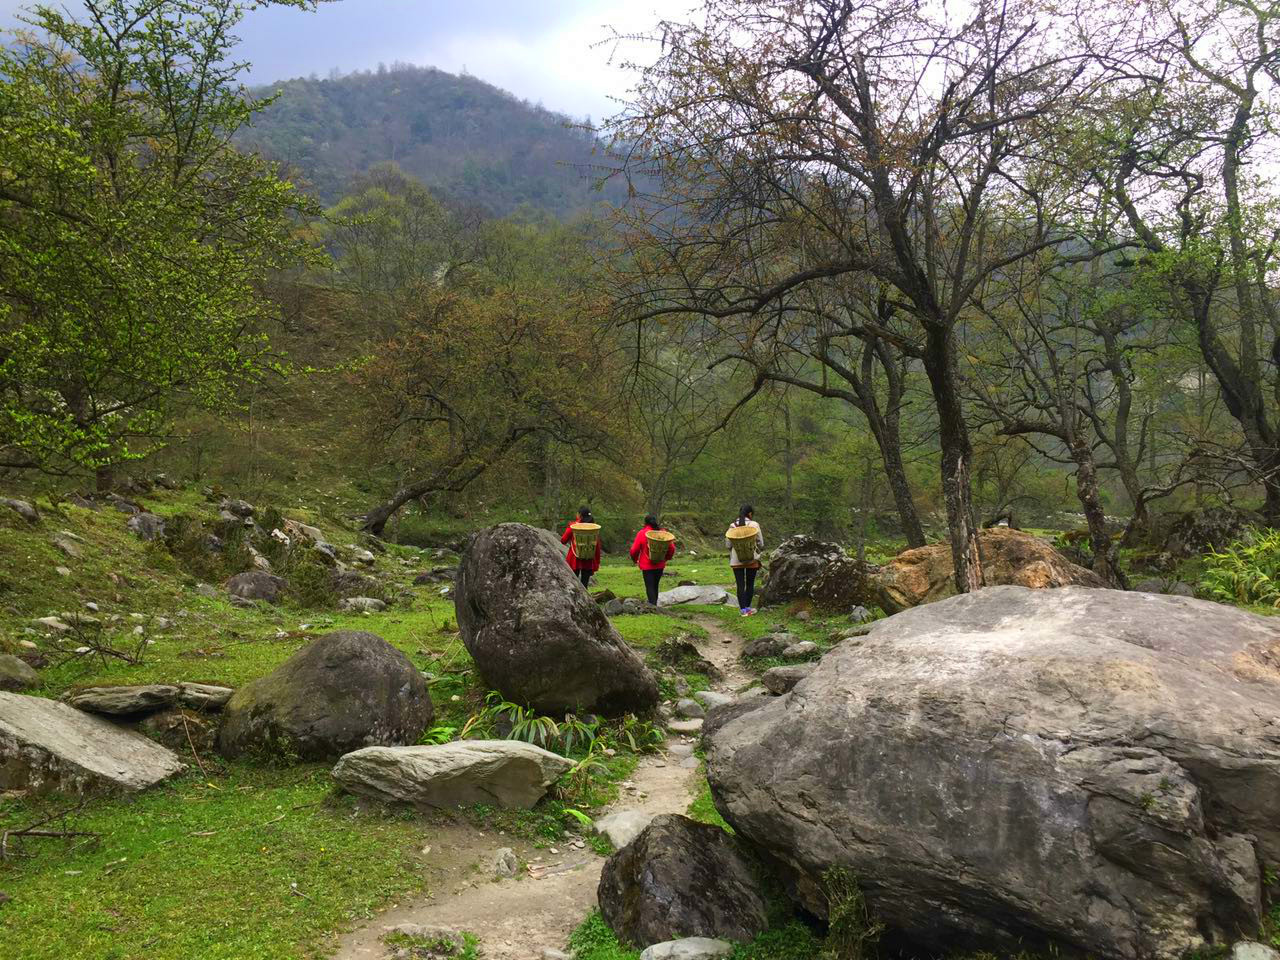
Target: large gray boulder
x=257, y=585
x=681, y=878
x=49, y=747
x=1092, y=769
x=535, y=633
x=506, y=773
x=805, y=568
x=343, y=691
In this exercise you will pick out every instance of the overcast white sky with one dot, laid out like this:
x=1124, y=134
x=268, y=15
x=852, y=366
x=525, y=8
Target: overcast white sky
x=540, y=50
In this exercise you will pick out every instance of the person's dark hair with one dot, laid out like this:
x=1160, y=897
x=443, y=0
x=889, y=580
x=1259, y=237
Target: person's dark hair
x=745, y=513
x=650, y=520
x=584, y=515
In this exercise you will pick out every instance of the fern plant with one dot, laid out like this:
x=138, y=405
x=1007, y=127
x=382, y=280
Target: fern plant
x=1245, y=572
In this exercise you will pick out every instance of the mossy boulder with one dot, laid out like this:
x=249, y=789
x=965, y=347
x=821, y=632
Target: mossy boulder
x=343, y=691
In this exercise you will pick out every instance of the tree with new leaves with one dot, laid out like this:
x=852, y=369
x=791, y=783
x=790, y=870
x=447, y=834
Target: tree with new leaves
x=797, y=143
x=134, y=238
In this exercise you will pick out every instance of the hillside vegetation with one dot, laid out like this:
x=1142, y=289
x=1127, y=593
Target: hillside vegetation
x=467, y=140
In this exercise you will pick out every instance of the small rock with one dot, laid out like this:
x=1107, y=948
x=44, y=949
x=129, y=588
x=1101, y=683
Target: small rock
x=551, y=954
x=861, y=615
x=680, y=750
x=685, y=726
x=690, y=708
x=16, y=675
x=362, y=604
x=23, y=509
x=768, y=646
x=54, y=624
x=689, y=763
x=203, y=697
x=798, y=651
x=363, y=557
x=690, y=948
x=238, y=508
x=623, y=826
x=505, y=863
x=710, y=699
x=146, y=526
x=65, y=543
x=780, y=680
x=62, y=571
x=91, y=606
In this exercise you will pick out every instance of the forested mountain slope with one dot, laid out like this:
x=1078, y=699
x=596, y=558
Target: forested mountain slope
x=468, y=140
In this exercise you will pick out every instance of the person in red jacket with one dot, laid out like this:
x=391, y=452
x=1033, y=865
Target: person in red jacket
x=583, y=568
x=651, y=571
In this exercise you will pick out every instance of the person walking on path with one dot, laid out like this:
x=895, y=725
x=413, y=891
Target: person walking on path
x=745, y=567
x=643, y=556
x=583, y=567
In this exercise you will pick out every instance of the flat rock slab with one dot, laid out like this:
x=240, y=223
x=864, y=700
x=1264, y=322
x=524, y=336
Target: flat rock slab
x=685, y=726
x=49, y=747
x=690, y=948
x=508, y=773
x=693, y=594
x=131, y=701
x=711, y=700
x=623, y=826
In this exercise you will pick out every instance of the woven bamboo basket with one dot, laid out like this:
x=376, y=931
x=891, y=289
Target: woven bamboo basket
x=743, y=540
x=585, y=537
x=658, y=541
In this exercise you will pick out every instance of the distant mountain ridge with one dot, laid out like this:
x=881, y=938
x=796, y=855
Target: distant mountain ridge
x=470, y=141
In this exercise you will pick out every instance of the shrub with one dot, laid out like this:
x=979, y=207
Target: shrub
x=1246, y=571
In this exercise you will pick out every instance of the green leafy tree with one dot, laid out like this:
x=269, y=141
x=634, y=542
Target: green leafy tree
x=136, y=239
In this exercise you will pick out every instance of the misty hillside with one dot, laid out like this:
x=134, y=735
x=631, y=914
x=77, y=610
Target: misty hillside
x=469, y=140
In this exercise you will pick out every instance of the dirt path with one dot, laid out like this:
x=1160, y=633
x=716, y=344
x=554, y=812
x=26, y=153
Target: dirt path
x=519, y=918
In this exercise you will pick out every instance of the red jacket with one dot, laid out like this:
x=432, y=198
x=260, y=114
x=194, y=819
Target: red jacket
x=592, y=565
x=640, y=550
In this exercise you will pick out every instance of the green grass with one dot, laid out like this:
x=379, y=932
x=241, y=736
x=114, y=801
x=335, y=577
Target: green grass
x=207, y=869
x=703, y=809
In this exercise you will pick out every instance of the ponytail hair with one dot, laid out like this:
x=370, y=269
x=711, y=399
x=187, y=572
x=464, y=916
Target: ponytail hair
x=744, y=514
x=651, y=521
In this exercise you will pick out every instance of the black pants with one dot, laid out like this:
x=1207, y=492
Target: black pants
x=746, y=577
x=651, y=578
x=584, y=574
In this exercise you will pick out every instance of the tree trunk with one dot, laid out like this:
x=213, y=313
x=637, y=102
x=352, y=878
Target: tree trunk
x=104, y=478
x=957, y=455
x=896, y=474
x=1104, y=564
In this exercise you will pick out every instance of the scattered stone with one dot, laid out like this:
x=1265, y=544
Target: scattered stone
x=680, y=750
x=685, y=657
x=1016, y=749
x=203, y=697
x=54, y=624
x=780, y=680
x=62, y=571
x=342, y=691
x=302, y=531
x=678, y=878
x=690, y=948
x=238, y=508
x=146, y=526
x=362, y=604
x=693, y=594
x=125, y=701
x=536, y=635
x=23, y=509
x=770, y=645
x=623, y=826
x=685, y=726
x=49, y=747
x=257, y=585
x=67, y=544
x=690, y=763
x=123, y=505
x=1174, y=588
x=801, y=650
x=1009, y=556
x=16, y=675
x=614, y=608
x=207, y=590
x=507, y=773
x=861, y=615
x=713, y=700
x=363, y=557
x=505, y=863
x=690, y=708
x=604, y=596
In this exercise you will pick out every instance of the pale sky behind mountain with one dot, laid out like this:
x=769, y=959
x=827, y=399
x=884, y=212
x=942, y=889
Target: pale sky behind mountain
x=552, y=52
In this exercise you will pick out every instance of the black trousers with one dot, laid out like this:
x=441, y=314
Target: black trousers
x=584, y=574
x=651, y=579
x=746, y=578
